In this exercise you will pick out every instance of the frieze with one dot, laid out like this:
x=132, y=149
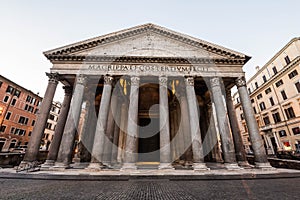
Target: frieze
x=147, y=68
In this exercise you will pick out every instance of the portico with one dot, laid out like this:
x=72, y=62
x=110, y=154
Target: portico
x=150, y=95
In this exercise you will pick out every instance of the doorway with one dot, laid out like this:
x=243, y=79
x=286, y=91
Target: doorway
x=148, y=142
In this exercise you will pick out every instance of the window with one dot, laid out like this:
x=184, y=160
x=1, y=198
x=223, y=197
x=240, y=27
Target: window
x=13, y=102
x=293, y=74
x=23, y=120
x=252, y=100
x=274, y=70
x=266, y=120
x=259, y=96
x=262, y=106
x=6, y=99
x=282, y=133
x=8, y=114
x=12, y=144
x=48, y=125
x=28, y=99
x=296, y=130
x=29, y=134
x=242, y=116
x=283, y=94
x=271, y=101
x=2, y=129
x=33, y=122
x=279, y=83
x=298, y=86
x=26, y=107
x=51, y=117
x=17, y=93
x=264, y=78
x=254, y=110
x=276, y=117
x=287, y=60
x=249, y=91
x=267, y=91
x=12, y=130
x=10, y=89
x=1, y=83
x=289, y=112
x=256, y=85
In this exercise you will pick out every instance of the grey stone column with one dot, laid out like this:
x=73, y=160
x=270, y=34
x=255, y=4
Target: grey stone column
x=98, y=146
x=261, y=160
x=173, y=133
x=122, y=132
x=132, y=126
x=64, y=157
x=226, y=137
x=238, y=142
x=198, y=157
x=89, y=124
x=186, y=130
x=179, y=134
x=43, y=114
x=117, y=116
x=165, y=142
x=216, y=152
x=53, y=151
x=108, y=144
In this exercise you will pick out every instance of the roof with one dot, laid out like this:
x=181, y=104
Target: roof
x=119, y=35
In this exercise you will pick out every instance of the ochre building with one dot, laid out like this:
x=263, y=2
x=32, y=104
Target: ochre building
x=275, y=96
x=150, y=95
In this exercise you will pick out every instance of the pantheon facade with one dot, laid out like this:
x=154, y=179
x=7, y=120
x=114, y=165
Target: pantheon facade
x=146, y=95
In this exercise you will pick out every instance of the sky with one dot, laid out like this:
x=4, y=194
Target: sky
x=28, y=28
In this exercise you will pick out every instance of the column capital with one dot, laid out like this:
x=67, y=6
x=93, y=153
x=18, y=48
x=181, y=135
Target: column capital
x=189, y=81
x=81, y=79
x=68, y=90
x=240, y=81
x=53, y=77
x=135, y=80
x=163, y=81
x=214, y=82
x=108, y=80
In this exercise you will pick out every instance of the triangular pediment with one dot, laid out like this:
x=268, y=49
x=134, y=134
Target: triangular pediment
x=146, y=40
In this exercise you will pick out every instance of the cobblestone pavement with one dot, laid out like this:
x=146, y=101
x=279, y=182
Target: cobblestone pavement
x=150, y=189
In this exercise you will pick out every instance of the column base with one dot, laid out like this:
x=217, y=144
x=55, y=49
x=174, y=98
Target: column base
x=61, y=165
x=96, y=166
x=232, y=166
x=47, y=164
x=163, y=166
x=29, y=166
x=244, y=164
x=200, y=167
x=188, y=164
x=264, y=166
x=128, y=166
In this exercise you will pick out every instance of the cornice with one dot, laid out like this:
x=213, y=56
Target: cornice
x=141, y=59
x=112, y=37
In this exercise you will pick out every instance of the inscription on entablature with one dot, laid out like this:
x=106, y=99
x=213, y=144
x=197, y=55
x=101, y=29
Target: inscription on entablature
x=147, y=68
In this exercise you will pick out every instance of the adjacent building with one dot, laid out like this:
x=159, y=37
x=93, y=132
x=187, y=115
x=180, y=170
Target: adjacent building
x=50, y=125
x=275, y=96
x=18, y=110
